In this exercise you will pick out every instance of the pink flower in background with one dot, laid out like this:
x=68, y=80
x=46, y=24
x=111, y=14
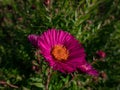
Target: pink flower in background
x=62, y=51
x=101, y=54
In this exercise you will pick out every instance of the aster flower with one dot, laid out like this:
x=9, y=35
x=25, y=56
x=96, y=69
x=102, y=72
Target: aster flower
x=62, y=51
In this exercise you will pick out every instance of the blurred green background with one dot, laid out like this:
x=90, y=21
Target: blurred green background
x=95, y=23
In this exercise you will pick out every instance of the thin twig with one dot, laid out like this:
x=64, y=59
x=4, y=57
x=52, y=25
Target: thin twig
x=48, y=79
x=8, y=84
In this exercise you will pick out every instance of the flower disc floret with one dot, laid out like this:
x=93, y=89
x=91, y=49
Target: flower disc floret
x=60, y=53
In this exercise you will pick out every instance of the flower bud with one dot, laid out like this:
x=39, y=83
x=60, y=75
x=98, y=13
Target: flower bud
x=47, y=2
x=103, y=75
x=33, y=7
x=101, y=54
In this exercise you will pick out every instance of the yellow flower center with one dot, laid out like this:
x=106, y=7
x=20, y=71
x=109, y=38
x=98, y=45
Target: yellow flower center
x=60, y=52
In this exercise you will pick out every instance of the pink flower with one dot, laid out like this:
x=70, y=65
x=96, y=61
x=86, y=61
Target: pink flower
x=62, y=51
x=101, y=54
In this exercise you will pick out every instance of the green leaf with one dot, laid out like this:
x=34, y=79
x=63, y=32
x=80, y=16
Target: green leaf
x=24, y=88
x=40, y=85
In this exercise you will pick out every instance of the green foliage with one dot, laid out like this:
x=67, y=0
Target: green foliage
x=95, y=23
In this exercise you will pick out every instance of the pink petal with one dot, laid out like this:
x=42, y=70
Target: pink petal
x=64, y=67
x=33, y=39
x=87, y=68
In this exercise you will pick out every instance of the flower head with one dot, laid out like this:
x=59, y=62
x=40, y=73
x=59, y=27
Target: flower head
x=62, y=51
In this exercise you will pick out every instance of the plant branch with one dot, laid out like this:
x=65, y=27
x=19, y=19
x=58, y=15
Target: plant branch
x=8, y=84
x=48, y=79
